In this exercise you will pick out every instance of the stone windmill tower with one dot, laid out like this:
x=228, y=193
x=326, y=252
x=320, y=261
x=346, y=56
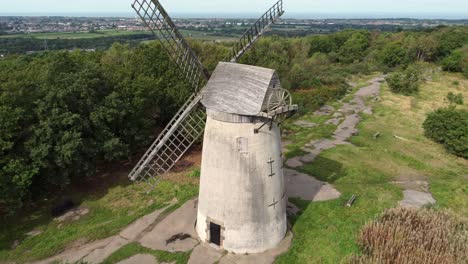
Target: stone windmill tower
x=242, y=201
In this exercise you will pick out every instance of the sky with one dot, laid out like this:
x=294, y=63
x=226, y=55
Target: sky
x=390, y=8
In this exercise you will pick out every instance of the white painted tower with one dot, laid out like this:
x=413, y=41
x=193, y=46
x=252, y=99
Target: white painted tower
x=242, y=200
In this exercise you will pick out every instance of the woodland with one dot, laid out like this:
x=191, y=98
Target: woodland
x=63, y=113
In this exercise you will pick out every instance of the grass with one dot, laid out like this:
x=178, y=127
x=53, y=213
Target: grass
x=109, y=213
x=132, y=249
x=326, y=232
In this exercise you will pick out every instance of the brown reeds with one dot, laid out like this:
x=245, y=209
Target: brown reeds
x=404, y=236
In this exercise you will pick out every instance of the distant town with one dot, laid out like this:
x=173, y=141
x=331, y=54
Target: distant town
x=27, y=25
x=27, y=34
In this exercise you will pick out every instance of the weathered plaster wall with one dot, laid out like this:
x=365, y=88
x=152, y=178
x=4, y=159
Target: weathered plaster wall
x=242, y=186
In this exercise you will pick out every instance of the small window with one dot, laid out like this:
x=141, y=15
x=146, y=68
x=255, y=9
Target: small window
x=215, y=234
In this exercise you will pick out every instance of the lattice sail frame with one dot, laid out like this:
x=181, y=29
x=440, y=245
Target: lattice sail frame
x=256, y=31
x=187, y=126
x=153, y=14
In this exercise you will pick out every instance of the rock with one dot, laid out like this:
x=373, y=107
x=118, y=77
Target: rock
x=77, y=253
x=416, y=199
x=294, y=162
x=73, y=215
x=205, y=254
x=34, y=233
x=334, y=121
x=15, y=244
x=376, y=135
x=181, y=221
x=306, y=187
x=347, y=128
x=136, y=228
x=266, y=257
x=98, y=255
x=338, y=114
x=305, y=124
x=367, y=111
x=292, y=209
x=412, y=180
x=62, y=208
x=325, y=110
x=308, y=158
x=140, y=259
x=97, y=251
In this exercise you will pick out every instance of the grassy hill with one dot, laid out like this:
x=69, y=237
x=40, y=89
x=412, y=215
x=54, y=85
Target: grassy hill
x=325, y=232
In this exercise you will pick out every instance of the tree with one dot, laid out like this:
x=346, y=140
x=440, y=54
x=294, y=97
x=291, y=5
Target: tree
x=393, y=54
x=451, y=38
x=453, y=62
x=354, y=48
x=449, y=127
x=321, y=43
x=405, y=81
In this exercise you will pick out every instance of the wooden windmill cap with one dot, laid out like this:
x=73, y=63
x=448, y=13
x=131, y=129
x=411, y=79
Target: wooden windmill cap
x=239, y=89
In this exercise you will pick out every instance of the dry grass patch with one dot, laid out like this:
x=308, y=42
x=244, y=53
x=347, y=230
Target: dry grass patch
x=414, y=236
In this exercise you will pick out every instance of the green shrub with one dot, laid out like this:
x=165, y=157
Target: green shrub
x=449, y=127
x=393, y=54
x=453, y=62
x=414, y=236
x=455, y=98
x=406, y=81
x=312, y=99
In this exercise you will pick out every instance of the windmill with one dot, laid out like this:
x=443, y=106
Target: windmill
x=242, y=200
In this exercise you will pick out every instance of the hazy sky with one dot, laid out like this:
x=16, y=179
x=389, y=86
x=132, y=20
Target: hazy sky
x=458, y=7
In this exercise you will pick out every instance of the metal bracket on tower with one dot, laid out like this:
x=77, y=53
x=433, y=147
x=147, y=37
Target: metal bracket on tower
x=270, y=122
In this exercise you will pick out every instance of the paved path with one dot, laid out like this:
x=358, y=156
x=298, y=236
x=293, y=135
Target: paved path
x=347, y=118
x=416, y=187
x=306, y=187
x=98, y=251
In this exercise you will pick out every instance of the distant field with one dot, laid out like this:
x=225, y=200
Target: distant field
x=208, y=36
x=111, y=33
x=76, y=35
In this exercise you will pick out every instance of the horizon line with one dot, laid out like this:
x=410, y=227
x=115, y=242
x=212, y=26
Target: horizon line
x=247, y=15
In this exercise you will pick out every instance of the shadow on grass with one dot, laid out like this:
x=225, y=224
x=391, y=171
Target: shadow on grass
x=324, y=169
